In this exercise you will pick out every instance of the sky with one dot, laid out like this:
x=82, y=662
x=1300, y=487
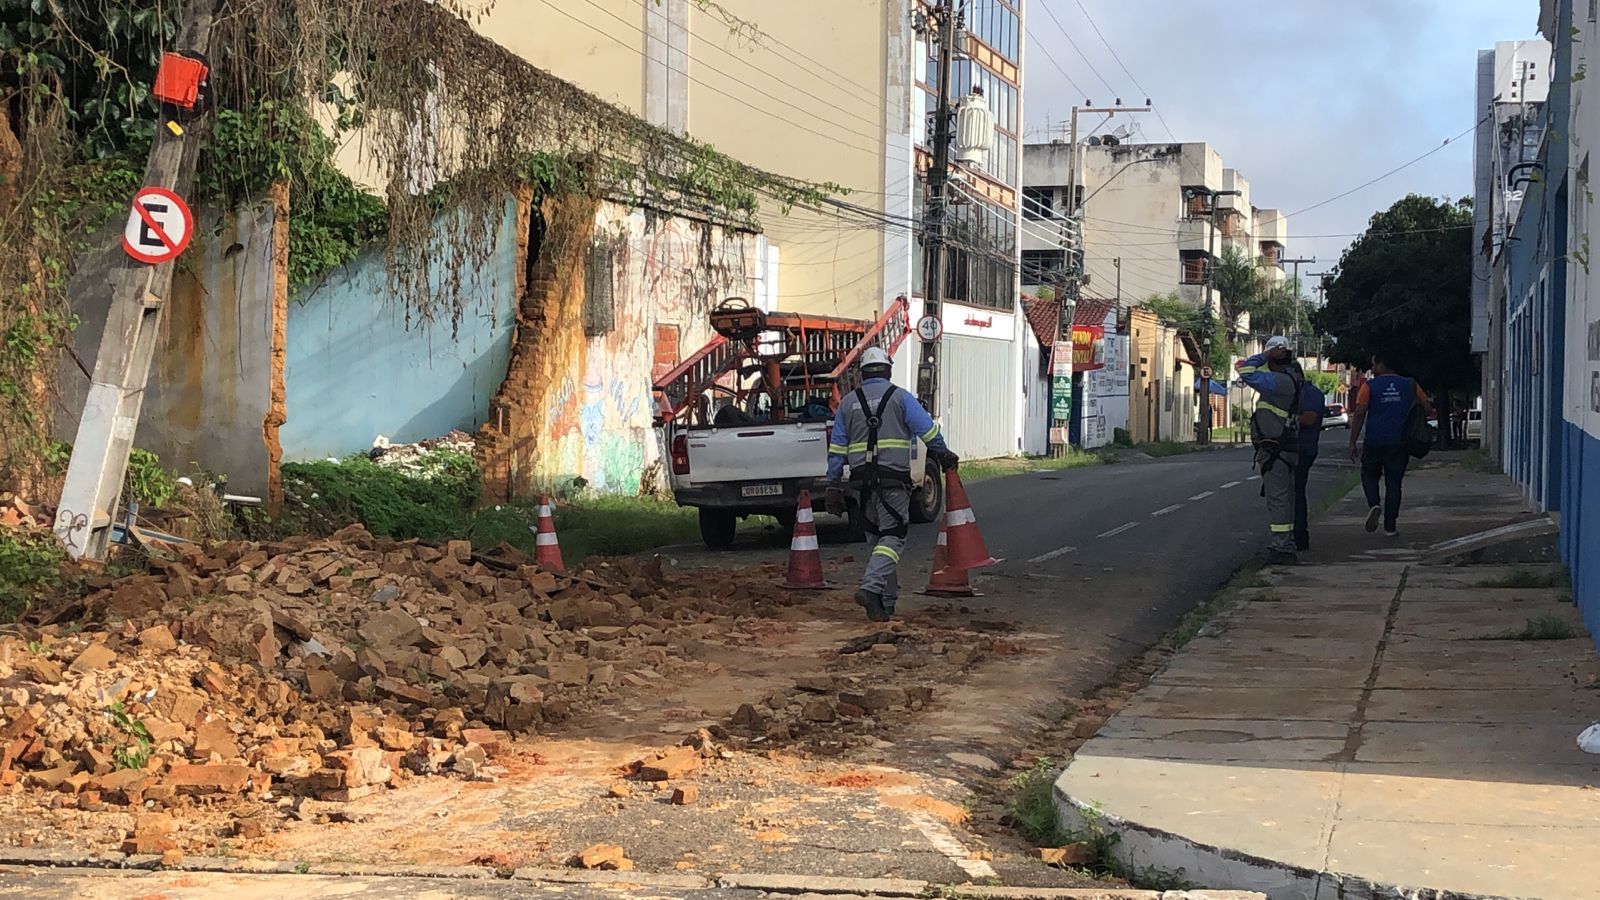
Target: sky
x=1306, y=98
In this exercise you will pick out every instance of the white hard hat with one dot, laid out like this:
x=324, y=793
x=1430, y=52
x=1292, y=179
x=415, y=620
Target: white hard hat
x=876, y=356
x=1278, y=341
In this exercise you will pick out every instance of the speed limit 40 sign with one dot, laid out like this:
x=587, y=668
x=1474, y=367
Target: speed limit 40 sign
x=159, y=226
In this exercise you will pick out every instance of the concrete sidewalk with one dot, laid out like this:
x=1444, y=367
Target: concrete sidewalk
x=1346, y=732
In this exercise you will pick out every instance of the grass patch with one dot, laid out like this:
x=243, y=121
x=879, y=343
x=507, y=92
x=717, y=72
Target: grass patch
x=1164, y=448
x=999, y=468
x=1346, y=483
x=1528, y=578
x=1539, y=628
x=1033, y=805
x=1032, y=810
x=437, y=501
x=1478, y=459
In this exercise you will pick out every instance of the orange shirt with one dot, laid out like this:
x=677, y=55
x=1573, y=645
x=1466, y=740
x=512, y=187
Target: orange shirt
x=1363, y=397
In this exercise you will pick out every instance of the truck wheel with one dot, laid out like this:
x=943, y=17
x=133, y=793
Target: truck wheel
x=717, y=527
x=928, y=501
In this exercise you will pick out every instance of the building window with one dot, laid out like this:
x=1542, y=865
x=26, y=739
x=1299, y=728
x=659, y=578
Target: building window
x=1043, y=266
x=1194, y=266
x=1039, y=203
x=1271, y=252
x=1196, y=203
x=599, y=309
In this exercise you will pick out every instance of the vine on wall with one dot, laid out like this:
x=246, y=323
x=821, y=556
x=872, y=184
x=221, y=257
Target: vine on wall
x=446, y=118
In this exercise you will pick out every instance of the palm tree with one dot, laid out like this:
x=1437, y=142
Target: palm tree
x=1241, y=286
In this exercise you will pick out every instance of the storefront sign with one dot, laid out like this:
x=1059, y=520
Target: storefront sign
x=1088, y=348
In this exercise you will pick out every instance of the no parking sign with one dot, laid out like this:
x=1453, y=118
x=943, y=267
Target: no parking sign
x=159, y=226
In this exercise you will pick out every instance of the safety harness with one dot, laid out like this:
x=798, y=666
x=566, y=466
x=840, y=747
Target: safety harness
x=870, y=476
x=1274, y=447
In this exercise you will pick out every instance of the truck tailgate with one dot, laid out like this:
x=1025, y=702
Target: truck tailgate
x=758, y=452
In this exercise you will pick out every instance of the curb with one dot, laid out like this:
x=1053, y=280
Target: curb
x=813, y=885
x=1247, y=875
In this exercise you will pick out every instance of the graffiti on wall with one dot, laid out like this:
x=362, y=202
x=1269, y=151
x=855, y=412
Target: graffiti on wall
x=667, y=271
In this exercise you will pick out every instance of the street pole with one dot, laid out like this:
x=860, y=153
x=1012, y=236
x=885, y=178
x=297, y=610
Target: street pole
x=1207, y=322
x=1117, y=261
x=933, y=218
x=138, y=295
x=1298, y=306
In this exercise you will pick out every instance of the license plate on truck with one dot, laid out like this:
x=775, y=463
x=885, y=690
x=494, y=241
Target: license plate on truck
x=761, y=490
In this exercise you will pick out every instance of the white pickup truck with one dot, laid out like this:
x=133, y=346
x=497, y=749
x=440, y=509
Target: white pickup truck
x=737, y=470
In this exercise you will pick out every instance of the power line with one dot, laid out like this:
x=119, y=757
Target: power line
x=1075, y=47
x=712, y=87
x=1050, y=56
x=650, y=9
x=1115, y=56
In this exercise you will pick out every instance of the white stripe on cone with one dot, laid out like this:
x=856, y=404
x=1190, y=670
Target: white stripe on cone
x=544, y=512
x=803, y=514
x=803, y=542
x=546, y=540
x=958, y=517
x=943, y=541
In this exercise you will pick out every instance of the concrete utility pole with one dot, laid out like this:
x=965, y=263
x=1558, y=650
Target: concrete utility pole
x=1298, y=306
x=1117, y=261
x=1207, y=321
x=138, y=295
x=946, y=18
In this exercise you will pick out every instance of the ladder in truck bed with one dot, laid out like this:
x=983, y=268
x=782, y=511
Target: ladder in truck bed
x=796, y=359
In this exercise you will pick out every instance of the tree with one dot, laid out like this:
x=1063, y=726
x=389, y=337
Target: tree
x=1403, y=291
x=1241, y=286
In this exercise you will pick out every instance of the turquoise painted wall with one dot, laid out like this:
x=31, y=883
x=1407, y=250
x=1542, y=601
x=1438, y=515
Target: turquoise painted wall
x=354, y=368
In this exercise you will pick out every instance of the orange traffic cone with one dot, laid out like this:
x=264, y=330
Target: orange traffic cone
x=546, y=549
x=965, y=545
x=805, y=560
x=944, y=581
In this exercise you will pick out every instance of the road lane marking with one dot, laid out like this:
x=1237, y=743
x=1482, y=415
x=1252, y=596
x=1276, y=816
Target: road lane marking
x=1166, y=509
x=1118, y=530
x=1202, y=495
x=1059, y=551
x=1253, y=478
x=1230, y=484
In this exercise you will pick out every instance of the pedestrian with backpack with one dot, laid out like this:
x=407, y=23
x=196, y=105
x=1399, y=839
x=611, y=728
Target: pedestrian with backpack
x=1389, y=407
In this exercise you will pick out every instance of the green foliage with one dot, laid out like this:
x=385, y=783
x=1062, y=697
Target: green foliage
x=1403, y=290
x=147, y=482
x=1122, y=437
x=435, y=503
x=332, y=219
x=101, y=55
x=1173, y=311
x=1326, y=382
x=1540, y=628
x=1528, y=578
x=1032, y=806
x=136, y=754
x=30, y=567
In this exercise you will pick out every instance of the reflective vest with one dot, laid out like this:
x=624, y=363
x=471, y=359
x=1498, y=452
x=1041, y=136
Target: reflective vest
x=894, y=435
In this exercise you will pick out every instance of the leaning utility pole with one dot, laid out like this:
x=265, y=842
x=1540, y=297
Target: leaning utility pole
x=933, y=216
x=138, y=293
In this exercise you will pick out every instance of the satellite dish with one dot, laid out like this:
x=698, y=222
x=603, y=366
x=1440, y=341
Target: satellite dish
x=1094, y=141
x=1123, y=131
x=1110, y=140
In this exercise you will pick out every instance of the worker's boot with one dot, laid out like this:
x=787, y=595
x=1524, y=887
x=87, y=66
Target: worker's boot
x=873, y=604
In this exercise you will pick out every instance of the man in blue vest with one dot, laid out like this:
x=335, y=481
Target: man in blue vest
x=1313, y=408
x=1382, y=406
x=873, y=430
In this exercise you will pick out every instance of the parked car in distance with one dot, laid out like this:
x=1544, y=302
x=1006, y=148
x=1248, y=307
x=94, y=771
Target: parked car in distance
x=1474, y=425
x=1336, y=417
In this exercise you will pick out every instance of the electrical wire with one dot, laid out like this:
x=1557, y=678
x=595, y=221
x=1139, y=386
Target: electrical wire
x=711, y=87
x=1118, y=58
x=1085, y=57
x=1050, y=56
